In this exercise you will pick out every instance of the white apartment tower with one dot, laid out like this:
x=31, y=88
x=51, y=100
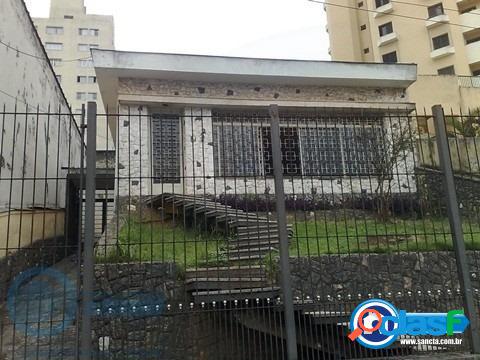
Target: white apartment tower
x=68, y=34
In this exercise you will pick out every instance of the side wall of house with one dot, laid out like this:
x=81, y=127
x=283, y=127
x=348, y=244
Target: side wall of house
x=35, y=148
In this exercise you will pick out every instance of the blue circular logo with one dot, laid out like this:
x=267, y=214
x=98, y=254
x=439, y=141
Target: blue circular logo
x=42, y=302
x=366, y=323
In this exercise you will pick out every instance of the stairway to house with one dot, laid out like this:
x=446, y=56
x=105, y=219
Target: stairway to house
x=250, y=240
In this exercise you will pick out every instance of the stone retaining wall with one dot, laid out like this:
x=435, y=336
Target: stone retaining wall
x=382, y=274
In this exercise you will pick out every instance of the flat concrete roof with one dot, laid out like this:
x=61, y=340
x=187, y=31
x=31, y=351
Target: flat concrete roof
x=110, y=65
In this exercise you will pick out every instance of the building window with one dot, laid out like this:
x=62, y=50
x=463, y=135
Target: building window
x=366, y=50
x=85, y=63
x=87, y=47
x=385, y=29
x=363, y=27
x=435, y=10
x=379, y=3
x=83, y=96
x=476, y=72
x=472, y=40
x=440, y=41
x=166, y=148
x=88, y=32
x=68, y=17
x=390, y=57
x=56, y=62
x=310, y=147
x=449, y=70
x=54, y=46
x=54, y=30
x=86, y=79
x=467, y=10
x=360, y=4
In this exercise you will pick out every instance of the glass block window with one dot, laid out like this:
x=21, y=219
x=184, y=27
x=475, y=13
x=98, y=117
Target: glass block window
x=236, y=149
x=166, y=148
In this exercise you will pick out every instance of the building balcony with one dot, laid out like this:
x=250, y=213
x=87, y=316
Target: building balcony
x=473, y=52
x=442, y=52
x=382, y=10
x=387, y=39
x=470, y=20
x=436, y=21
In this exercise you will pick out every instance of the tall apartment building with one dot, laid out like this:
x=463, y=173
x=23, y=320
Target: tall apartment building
x=68, y=34
x=442, y=37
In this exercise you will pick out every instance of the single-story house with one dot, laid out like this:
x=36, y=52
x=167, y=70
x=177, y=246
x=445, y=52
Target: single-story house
x=200, y=124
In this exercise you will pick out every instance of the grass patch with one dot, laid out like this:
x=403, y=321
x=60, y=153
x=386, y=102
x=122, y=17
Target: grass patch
x=369, y=235
x=163, y=242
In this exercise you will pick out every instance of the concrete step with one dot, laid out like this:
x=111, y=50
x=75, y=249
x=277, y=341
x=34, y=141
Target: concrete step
x=259, y=250
x=231, y=295
x=235, y=246
x=256, y=237
x=252, y=218
x=228, y=283
x=259, y=234
x=261, y=227
x=237, y=223
x=229, y=271
x=246, y=258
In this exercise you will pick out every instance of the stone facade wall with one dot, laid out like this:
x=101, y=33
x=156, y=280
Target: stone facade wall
x=198, y=173
x=229, y=91
x=133, y=170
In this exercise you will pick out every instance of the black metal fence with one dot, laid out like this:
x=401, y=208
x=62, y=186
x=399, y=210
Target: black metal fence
x=235, y=234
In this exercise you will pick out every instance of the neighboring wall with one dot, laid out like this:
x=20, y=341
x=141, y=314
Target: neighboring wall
x=464, y=153
x=35, y=149
x=456, y=94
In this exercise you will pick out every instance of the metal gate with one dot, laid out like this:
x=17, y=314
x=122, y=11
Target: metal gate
x=241, y=234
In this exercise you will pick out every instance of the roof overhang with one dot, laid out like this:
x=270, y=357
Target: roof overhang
x=111, y=65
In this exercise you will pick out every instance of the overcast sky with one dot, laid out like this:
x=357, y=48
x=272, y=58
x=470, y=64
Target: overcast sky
x=293, y=29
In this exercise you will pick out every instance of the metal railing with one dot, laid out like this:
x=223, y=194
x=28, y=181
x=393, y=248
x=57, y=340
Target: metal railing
x=235, y=234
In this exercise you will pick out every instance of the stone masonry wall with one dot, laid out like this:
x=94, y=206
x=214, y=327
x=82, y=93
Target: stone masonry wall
x=253, y=91
x=432, y=187
x=382, y=274
x=198, y=173
x=173, y=331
